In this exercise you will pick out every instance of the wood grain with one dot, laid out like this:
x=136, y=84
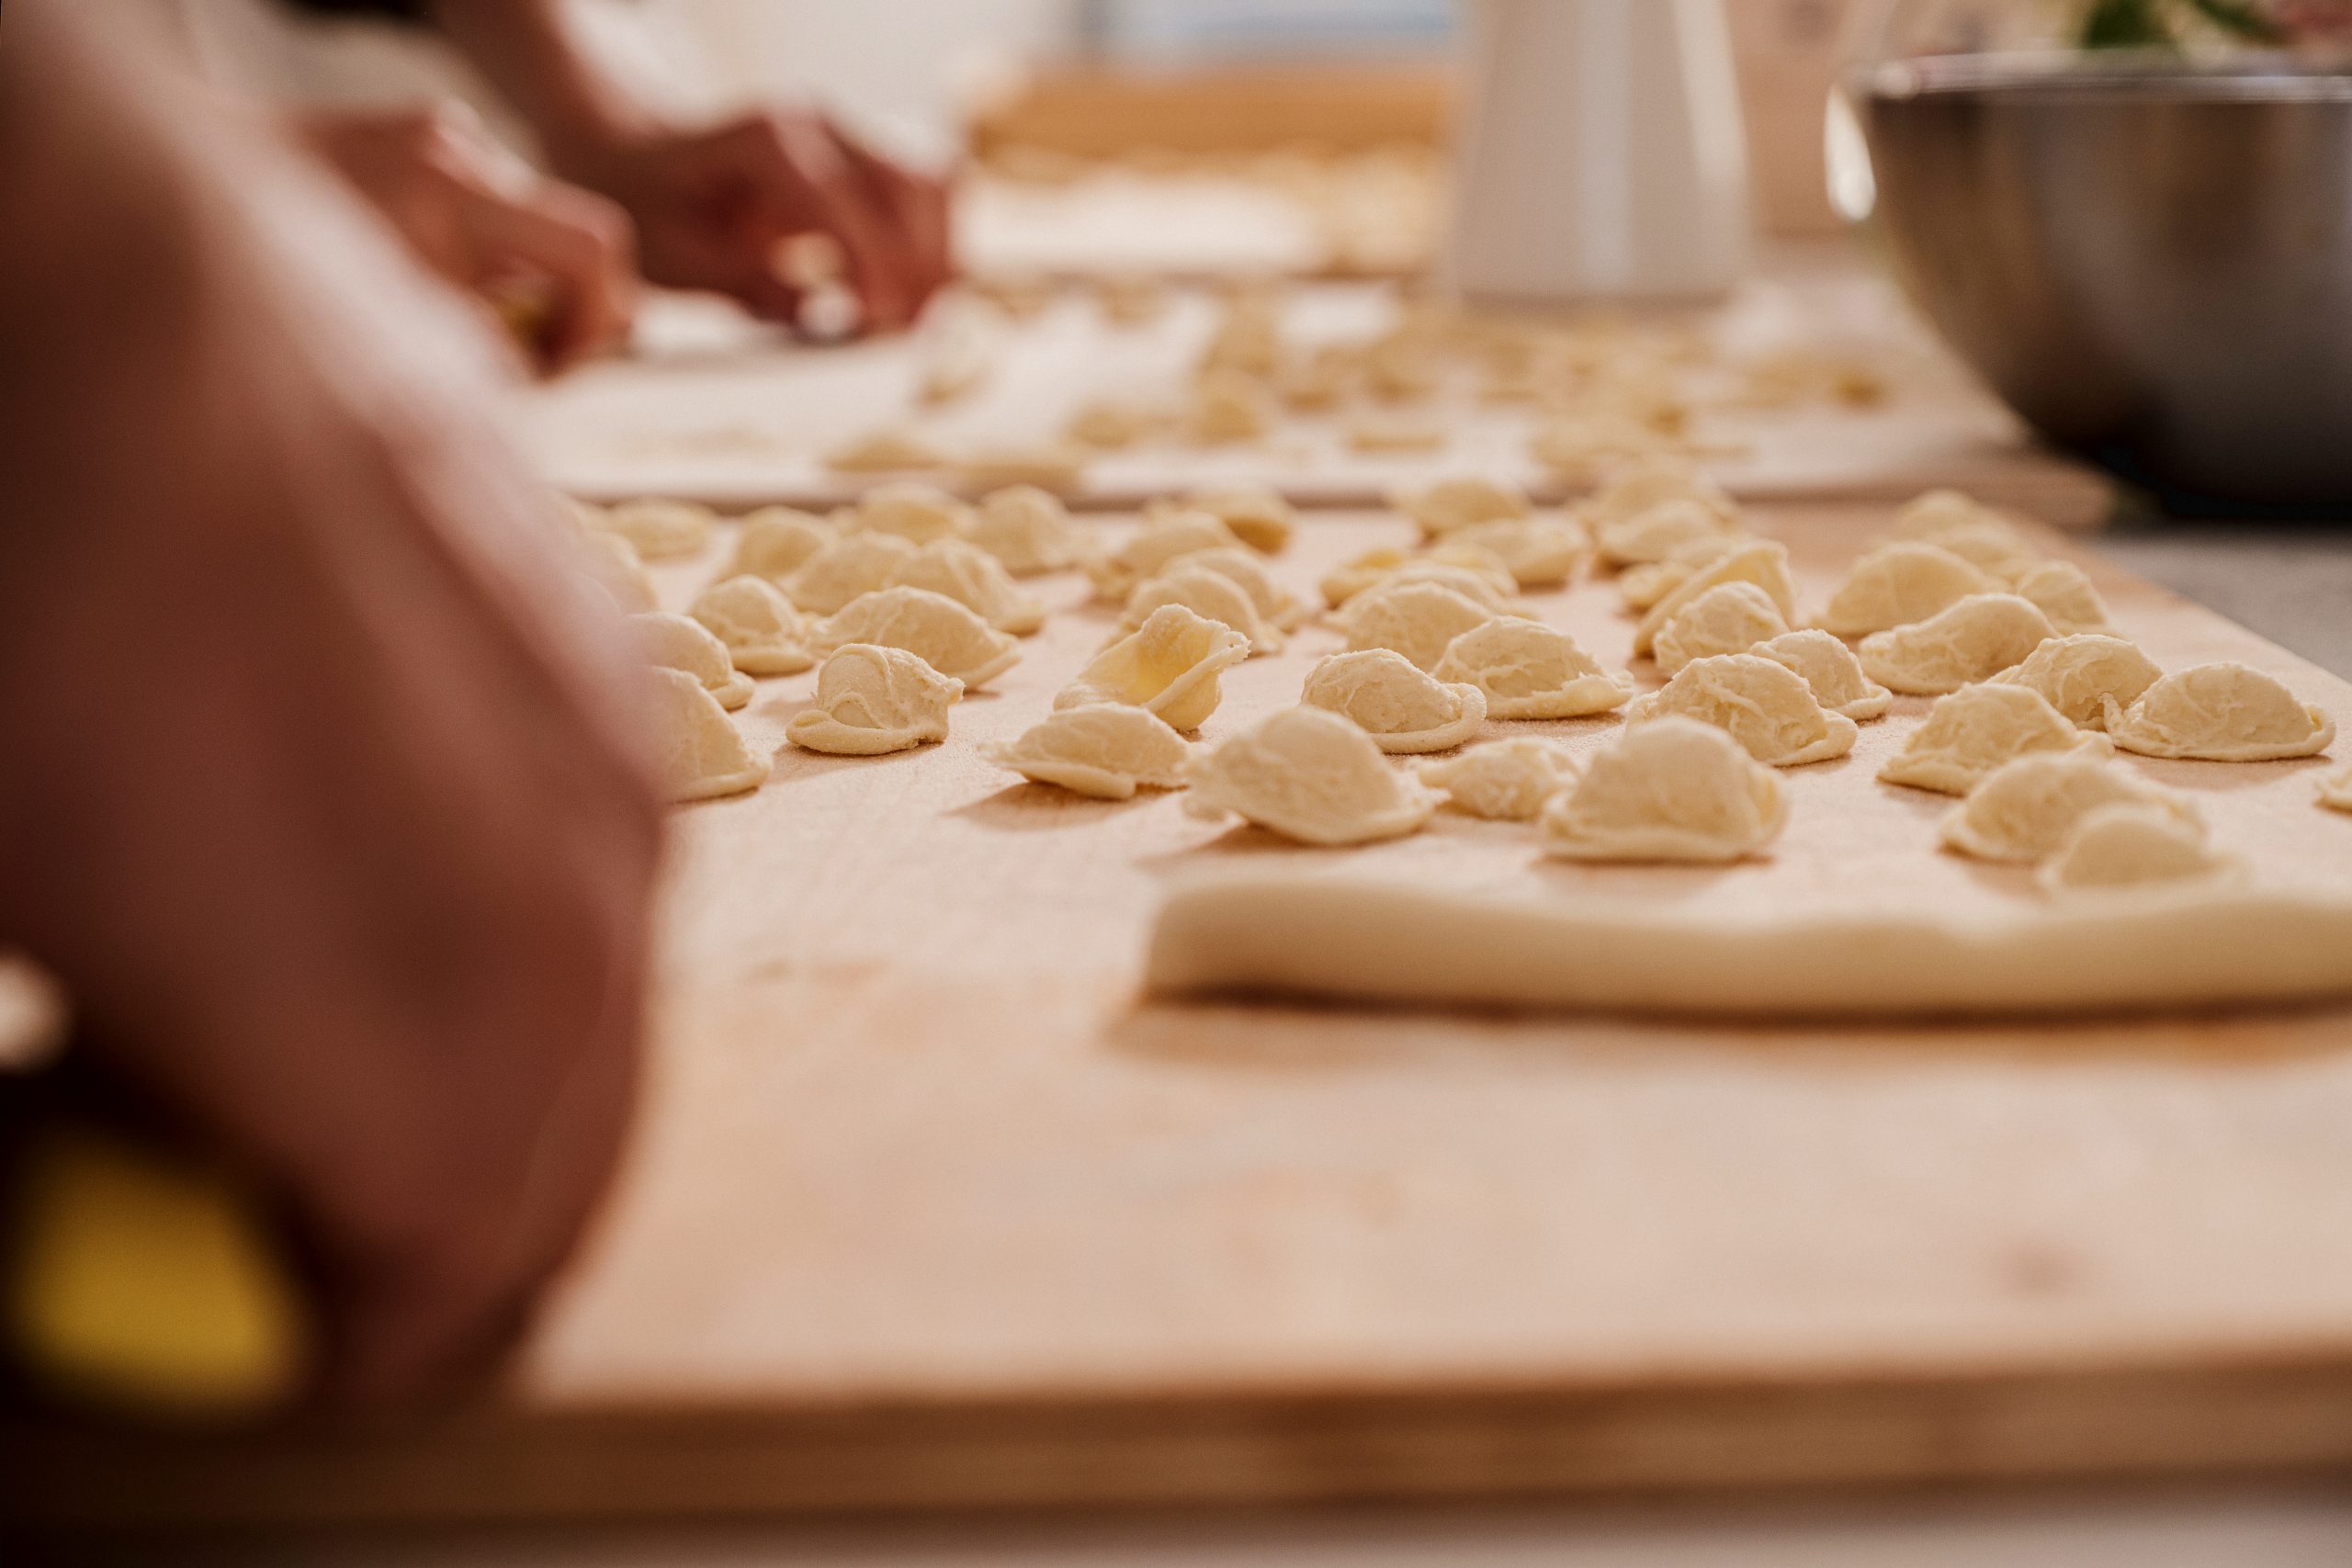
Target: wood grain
x=927, y=1210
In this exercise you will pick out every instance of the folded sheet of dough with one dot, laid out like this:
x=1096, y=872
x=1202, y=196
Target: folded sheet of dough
x=1356, y=940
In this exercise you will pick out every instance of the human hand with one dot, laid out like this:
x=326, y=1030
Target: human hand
x=721, y=208
x=310, y=789
x=555, y=262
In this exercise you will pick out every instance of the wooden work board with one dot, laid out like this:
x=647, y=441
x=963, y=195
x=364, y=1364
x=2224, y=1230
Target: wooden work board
x=928, y=1208
x=714, y=408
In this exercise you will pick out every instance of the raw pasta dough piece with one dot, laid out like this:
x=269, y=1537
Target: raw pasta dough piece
x=1979, y=728
x=849, y=567
x=1258, y=517
x=1207, y=594
x=1276, y=605
x=919, y=513
x=1402, y=708
x=1111, y=425
x=1027, y=529
x=761, y=631
x=1446, y=506
x=1052, y=464
x=1508, y=781
x=1674, y=790
x=1973, y=640
x=1622, y=516
x=1106, y=749
x=1395, y=434
x=1764, y=705
x=2126, y=844
x=872, y=701
x=1731, y=617
x=935, y=628
x=1896, y=584
x=1763, y=562
x=2062, y=592
x=2024, y=810
x=1417, y=619
x=1830, y=668
x=673, y=642
x=886, y=452
x=2221, y=713
x=1375, y=568
x=973, y=579
x=1653, y=535
x=699, y=752
x=2080, y=675
x=613, y=563
x=2335, y=791
x=1483, y=582
x=1641, y=587
x=1538, y=552
x=1970, y=529
x=1160, y=540
x=658, y=529
x=775, y=542
x=1230, y=408
x=1170, y=665
x=1309, y=776
x=1529, y=669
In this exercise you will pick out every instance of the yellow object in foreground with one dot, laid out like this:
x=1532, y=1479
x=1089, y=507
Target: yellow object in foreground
x=146, y=1283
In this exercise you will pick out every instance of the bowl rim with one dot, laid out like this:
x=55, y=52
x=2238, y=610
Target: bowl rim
x=2119, y=76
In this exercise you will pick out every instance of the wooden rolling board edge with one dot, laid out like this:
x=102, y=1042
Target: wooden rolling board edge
x=2108, y=1423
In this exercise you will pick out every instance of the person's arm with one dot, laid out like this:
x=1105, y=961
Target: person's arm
x=320, y=787
x=714, y=205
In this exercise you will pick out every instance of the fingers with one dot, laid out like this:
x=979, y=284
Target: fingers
x=918, y=207
x=580, y=245
x=802, y=176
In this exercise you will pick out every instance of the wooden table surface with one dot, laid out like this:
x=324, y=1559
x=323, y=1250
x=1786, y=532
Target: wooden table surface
x=929, y=1210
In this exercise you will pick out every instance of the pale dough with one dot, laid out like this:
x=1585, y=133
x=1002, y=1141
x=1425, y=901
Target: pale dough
x=1529, y=669
x=1207, y=594
x=775, y=542
x=1170, y=665
x=1583, y=448
x=1731, y=617
x=1248, y=340
x=2081, y=674
x=1258, y=517
x=1162, y=539
x=2024, y=810
x=1309, y=776
x=1507, y=781
x=872, y=701
x=1972, y=640
x=613, y=564
x=1028, y=530
x=1674, y=790
x=1538, y=552
x=1446, y=506
x=1276, y=604
x=1764, y=562
x=1345, y=936
x=886, y=452
x=1395, y=434
x=935, y=628
x=1111, y=425
x=1968, y=528
x=1483, y=582
x=1230, y=408
x=2127, y=845
x=919, y=513
x=2335, y=791
x=1896, y=584
x=762, y=630
x=1404, y=709
x=1830, y=668
x=1657, y=535
x=1978, y=728
x=973, y=579
x=696, y=747
x=1371, y=570
x=1131, y=301
x=2062, y=592
x=846, y=569
x=1765, y=706
x=1417, y=619
x=675, y=642
x=1641, y=587
x=2221, y=713
x=1621, y=516
x=658, y=529
x=1106, y=749
x=1054, y=465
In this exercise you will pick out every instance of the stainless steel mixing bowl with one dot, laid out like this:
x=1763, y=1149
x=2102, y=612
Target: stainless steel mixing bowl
x=2152, y=264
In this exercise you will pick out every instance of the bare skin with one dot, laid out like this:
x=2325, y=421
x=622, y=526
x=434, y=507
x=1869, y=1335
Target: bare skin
x=311, y=785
